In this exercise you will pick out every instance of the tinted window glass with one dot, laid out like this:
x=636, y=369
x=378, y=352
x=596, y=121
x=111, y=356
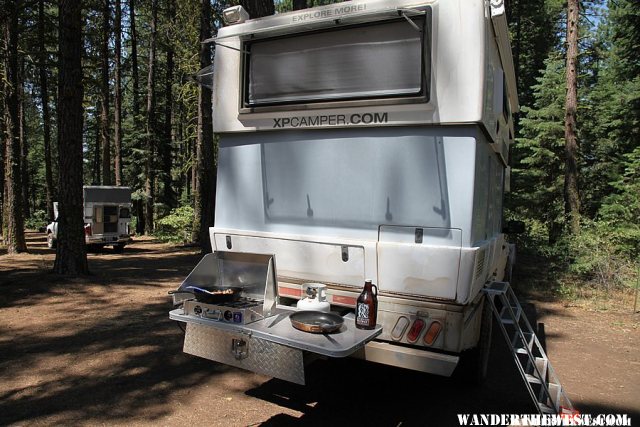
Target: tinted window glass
x=372, y=61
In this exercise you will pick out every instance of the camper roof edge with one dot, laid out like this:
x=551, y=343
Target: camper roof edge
x=321, y=16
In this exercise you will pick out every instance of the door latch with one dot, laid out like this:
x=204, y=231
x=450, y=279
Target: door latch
x=239, y=348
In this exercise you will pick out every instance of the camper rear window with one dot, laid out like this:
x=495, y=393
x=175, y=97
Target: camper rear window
x=380, y=60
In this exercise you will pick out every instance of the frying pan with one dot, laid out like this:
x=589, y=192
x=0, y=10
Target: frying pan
x=317, y=322
x=212, y=295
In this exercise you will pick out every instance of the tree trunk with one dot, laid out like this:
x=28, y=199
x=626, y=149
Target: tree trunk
x=2, y=143
x=183, y=187
x=204, y=191
x=97, y=165
x=134, y=60
x=571, y=193
x=168, y=196
x=151, y=123
x=105, y=136
x=46, y=116
x=13, y=202
x=258, y=8
x=24, y=146
x=299, y=4
x=71, y=256
x=118, y=94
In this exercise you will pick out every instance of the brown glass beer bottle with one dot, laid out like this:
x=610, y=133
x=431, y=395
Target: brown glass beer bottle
x=367, y=307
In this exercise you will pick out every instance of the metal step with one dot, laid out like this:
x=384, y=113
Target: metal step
x=521, y=347
x=531, y=360
x=505, y=315
x=541, y=363
x=546, y=409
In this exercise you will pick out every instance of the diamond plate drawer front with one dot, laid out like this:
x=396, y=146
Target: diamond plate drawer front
x=260, y=356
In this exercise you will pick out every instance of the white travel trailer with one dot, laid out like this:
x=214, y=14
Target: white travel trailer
x=360, y=140
x=107, y=217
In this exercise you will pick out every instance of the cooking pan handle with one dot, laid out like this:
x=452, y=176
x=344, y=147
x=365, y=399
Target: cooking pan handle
x=179, y=292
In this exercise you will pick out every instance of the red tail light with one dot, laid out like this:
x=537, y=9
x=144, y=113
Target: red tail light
x=414, y=332
x=87, y=230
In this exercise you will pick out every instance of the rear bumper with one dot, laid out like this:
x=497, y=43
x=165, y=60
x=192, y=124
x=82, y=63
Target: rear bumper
x=409, y=358
x=107, y=240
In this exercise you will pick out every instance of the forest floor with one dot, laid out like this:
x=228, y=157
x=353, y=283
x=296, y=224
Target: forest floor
x=101, y=350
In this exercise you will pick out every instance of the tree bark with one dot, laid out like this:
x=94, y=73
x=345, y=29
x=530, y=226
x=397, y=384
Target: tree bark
x=24, y=145
x=151, y=123
x=168, y=196
x=105, y=134
x=118, y=94
x=204, y=192
x=13, y=202
x=46, y=115
x=134, y=60
x=71, y=256
x=571, y=191
x=3, y=78
x=299, y=4
x=258, y=8
x=97, y=165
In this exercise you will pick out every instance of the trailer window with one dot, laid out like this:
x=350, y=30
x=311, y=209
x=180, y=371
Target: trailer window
x=373, y=61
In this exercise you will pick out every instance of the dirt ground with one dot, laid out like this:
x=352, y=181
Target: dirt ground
x=102, y=351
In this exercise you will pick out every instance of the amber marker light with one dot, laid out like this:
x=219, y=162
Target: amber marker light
x=432, y=333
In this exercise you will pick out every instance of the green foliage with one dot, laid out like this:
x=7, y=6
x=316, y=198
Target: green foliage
x=177, y=226
x=601, y=254
x=538, y=156
x=37, y=220
x=535, y=31
x=604, y=252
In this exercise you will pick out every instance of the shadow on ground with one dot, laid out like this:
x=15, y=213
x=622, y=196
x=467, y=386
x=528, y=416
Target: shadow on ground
x=92, y=364
x=353, y=392
x=102, y=367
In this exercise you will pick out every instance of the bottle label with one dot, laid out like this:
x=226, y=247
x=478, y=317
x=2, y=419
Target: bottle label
x=362, y=314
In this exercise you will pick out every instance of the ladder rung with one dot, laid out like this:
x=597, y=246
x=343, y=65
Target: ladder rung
x=505, y=315
x=497, y=287
x=541, y=363
x=555, y=392
x=519, y=346
x=531, y=378
x=545, y=409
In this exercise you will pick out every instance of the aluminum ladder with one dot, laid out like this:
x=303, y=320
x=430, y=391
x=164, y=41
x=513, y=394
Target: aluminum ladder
x=539, y=377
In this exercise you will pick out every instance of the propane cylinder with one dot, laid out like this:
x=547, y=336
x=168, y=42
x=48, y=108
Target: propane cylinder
x=316, y=298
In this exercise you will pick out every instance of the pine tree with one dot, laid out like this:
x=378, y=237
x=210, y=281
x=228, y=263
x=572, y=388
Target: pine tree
x=12, y=200
x=71, y=256
x=538, y=172
x=150, y=179
x=571, y=192
x=204, y=191
x=46, y=114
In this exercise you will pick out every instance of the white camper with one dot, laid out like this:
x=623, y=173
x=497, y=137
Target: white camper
x=360, y=140
x=107, y=217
